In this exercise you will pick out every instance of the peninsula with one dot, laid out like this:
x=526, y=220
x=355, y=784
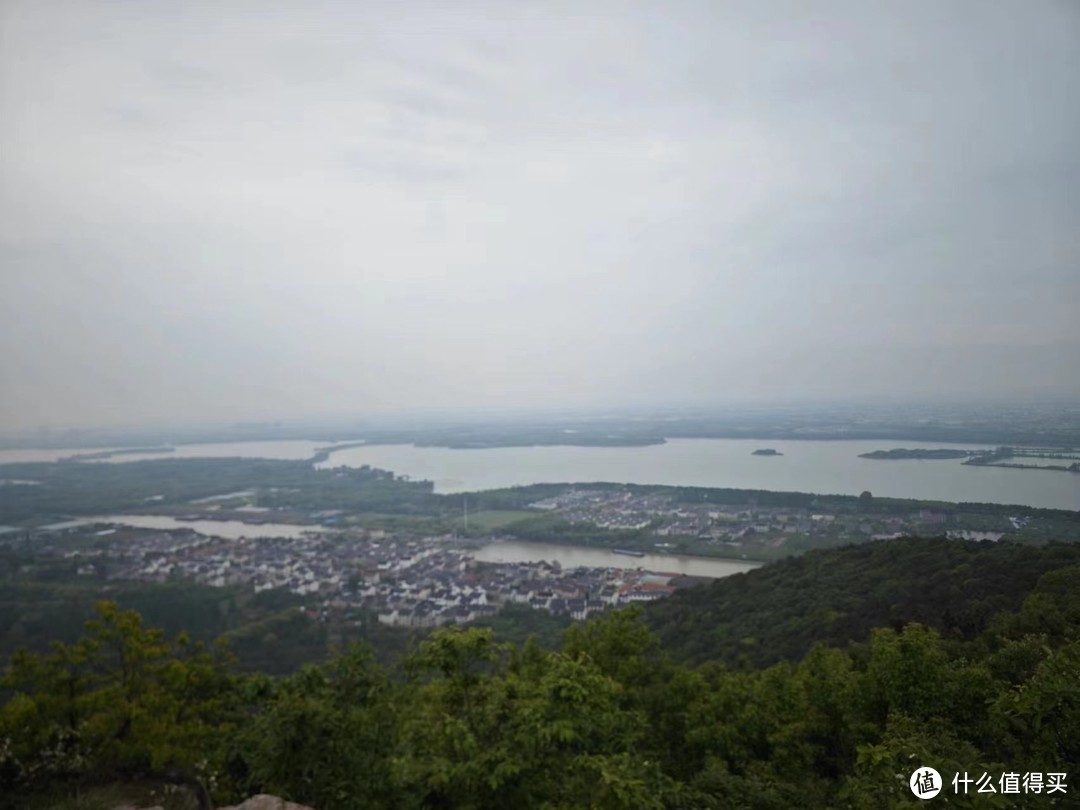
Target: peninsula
x=902, y=453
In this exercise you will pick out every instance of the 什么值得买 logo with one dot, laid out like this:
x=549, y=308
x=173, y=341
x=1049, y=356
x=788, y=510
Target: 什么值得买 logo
x=925, y=782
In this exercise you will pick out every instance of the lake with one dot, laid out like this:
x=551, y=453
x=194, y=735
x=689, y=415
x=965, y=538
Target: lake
x=32, y=456
x=286, y=449
x=825, y=467
x=229, y=529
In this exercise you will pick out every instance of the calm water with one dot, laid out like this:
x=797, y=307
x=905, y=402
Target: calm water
x=829, y=467
x=229, y=529
x=512, y=551
x=290, y=450
x=32, y=456
x=826, y=467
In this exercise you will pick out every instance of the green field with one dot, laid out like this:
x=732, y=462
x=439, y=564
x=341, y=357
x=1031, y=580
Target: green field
x=492, y=519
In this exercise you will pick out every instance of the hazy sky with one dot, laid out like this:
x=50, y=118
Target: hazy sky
x=255, y=210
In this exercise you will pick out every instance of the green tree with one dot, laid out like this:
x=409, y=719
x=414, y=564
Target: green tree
x=322, y=737
x=120, y=702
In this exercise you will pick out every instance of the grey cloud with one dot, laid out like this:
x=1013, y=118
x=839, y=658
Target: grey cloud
x=278, y=209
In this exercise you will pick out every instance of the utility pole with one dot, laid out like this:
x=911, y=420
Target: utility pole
x=465, y=508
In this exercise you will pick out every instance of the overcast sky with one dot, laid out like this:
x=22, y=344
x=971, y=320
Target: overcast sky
x=261, y=210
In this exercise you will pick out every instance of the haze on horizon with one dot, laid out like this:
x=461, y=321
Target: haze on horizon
x=272, y=209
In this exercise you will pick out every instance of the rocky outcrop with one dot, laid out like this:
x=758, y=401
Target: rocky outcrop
x=265, y=802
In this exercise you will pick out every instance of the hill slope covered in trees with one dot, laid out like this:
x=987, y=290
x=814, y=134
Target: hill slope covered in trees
x=837, y=596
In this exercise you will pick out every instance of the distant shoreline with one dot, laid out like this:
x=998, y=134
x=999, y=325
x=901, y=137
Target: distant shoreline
x=920, y=453
x=104, y=455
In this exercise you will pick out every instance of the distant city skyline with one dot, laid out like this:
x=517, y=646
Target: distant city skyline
x=281, y=211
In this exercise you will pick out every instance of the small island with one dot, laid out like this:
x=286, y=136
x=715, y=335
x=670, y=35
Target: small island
x=766, y=451
x=918, y=453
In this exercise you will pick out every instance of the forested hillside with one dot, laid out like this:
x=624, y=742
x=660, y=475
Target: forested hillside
x=837, y=596
x=607, y=720
x=267, y=632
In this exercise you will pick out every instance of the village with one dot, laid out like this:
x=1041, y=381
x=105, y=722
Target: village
x=407, y=580
x=757, y=530
x=419, y=578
